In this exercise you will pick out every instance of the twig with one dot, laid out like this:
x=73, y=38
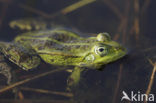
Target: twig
x=114, y=8
x=122, y=28
x=20, y=95
x=76, y=5
x=47, y=91
x=3, y=12
x=121, y=25
x=150, y=48
x=29, y=79
x=151, y=79
x=150, y=61
x=126, y=12
x=116, y=37
x=118, y=83
x=64, y=11
x=136, y=19
x=145, y=6
x=43, y=14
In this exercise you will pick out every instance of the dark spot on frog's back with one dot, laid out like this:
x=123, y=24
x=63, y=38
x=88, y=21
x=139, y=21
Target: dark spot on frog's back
x=52, y=60
x=9, y=48
x=56, y=36
x=40, y=48
x=50, y=44
x=62, y=37
x=76, y=46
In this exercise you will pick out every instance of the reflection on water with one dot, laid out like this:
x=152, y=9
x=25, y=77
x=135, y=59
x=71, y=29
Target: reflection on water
x=130, y=24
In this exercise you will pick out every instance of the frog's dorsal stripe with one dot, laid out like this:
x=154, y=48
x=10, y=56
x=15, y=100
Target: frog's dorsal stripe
x=58, y=53
x=50, y=32
x=32, y=38
x=46, y=39
x=76, y=44
x=25, y=38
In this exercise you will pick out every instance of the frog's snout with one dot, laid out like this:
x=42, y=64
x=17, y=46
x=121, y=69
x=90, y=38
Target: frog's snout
x=120, y=48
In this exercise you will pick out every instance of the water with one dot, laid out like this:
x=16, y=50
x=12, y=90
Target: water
x=131, y=73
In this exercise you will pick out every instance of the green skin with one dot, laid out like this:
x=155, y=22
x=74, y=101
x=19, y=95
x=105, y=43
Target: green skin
x=64, y=48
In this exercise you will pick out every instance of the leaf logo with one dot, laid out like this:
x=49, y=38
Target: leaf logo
x=125, y=96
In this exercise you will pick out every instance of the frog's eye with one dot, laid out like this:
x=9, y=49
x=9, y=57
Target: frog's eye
x=101, y=51
x=103, y=37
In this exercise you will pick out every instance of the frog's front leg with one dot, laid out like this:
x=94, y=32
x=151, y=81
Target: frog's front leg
x=5, y=69
x=74, y=78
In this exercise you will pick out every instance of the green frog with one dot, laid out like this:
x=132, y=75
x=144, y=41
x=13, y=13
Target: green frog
x=61, y=47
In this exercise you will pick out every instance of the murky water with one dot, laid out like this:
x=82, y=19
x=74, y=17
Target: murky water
x=129, y=22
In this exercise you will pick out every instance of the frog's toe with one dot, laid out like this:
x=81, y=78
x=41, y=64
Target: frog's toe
x=69, y=70
x=70, y=81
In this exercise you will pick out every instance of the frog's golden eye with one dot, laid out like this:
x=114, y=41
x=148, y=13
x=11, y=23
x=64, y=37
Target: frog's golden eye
x=103, y=37
x=101, y=51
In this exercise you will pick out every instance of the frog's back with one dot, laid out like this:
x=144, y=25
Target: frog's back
x=58, y=46
x=60, y=35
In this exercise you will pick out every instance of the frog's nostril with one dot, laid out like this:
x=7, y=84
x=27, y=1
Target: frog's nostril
x=123, y=49
x=119, y=48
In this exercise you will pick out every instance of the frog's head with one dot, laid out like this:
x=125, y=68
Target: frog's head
x=105, y=51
